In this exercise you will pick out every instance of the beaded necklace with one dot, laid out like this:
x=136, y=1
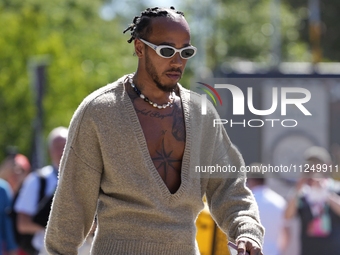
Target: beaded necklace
x=139, y=93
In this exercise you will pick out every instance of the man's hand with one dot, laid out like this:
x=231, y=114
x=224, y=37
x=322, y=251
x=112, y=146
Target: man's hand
x=245, y=244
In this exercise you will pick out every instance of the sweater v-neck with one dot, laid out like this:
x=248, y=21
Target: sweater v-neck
x=145, y=151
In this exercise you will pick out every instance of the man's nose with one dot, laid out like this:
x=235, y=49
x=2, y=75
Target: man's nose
x=176, y=60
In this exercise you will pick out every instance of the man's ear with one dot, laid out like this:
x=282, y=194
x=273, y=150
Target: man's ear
x=139, y=48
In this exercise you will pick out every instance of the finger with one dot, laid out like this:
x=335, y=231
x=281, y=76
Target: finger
x=255, y=251
x=241, y=248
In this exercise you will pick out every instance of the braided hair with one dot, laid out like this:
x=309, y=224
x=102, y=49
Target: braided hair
x=140, y=27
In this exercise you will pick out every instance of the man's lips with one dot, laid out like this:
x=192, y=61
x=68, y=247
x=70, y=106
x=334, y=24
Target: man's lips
x=174, y=75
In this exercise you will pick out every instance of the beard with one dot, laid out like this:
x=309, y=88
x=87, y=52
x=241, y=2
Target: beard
x=151, y=70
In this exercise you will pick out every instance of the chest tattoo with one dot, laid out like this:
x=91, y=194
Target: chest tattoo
x=178, y=129
x=154, y=114
x=164, y=161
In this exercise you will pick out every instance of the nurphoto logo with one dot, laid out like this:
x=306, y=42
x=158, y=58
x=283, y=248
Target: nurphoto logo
x=238, y=106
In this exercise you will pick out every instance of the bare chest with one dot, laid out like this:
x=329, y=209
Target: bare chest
x=164, y=131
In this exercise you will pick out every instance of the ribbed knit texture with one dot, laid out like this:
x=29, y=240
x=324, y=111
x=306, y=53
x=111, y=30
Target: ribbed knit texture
x=107, y=169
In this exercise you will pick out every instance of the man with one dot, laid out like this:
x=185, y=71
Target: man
x=27, y=203
x=129, y=156
x=13, y=170
x=271, y=206
x=316, y=200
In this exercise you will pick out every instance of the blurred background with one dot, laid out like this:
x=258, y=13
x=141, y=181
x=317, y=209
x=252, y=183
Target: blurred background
x=54, y=53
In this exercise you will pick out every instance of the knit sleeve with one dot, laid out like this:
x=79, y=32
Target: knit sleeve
x=75, y=201
x=231, y=203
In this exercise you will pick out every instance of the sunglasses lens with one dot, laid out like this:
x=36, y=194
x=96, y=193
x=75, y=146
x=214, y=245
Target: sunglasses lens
x=167, y=52
x=187, y=53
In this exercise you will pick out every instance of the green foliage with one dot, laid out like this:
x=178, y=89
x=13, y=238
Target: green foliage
x=242, y=30
x=330, y=36
x=85, y=53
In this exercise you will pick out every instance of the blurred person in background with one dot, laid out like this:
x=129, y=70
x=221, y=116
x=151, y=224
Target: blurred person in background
x=271, y=206
x=316, y=200
x=13, y=170
x=31, y=207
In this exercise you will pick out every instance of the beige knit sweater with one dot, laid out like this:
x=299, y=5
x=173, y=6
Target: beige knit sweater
x=107, y=170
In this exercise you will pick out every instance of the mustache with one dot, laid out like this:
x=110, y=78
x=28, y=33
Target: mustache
x=174, y=70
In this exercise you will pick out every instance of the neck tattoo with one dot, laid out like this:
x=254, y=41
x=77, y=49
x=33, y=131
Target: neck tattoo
x=139, y=93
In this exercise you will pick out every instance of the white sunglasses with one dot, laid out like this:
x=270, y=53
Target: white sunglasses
x=167, y=51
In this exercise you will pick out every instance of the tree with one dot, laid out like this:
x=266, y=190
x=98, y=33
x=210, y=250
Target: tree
x=330, y=35
x=242, y=30
x=85, y=53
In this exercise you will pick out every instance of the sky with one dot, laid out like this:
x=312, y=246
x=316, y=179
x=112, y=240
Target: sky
x=132, y=7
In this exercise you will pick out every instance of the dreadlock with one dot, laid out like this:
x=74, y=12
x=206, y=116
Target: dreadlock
x=140, y=25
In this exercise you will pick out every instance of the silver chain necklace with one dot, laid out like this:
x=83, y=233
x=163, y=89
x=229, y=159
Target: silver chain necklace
x=139, y=93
